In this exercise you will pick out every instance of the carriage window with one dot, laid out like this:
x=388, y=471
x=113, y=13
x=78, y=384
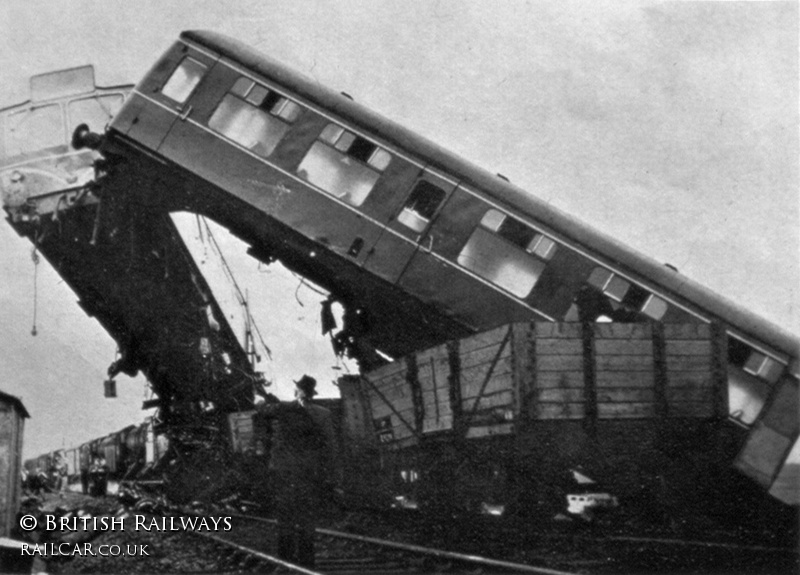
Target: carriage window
x=35, y=129
x=96, y=112
x=753, y=362
x=767, y=368
x=507, y=252
x=344, y=164
x=421, y=205
x=254, y=116
x=542, y=246
x=183, y=80
x=631, y=296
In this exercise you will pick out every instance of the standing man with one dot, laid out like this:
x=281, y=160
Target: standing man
x=305, y=467
x=60, y=474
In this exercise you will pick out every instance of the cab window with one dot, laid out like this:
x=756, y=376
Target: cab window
x=507, y=252
x=95, y=112
x=343, y=164
x=184, y=80
x=254, y=116
x=35, y=129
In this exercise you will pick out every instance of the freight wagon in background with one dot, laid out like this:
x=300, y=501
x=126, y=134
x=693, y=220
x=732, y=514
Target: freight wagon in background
x=135, y=451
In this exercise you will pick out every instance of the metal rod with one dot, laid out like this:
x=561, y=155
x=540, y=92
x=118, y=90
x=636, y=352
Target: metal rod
x=447, y=554
x=425, y=550
x=264, y=556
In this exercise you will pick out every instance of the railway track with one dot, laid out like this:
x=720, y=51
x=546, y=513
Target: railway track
x=346, y=553
x=391, y=549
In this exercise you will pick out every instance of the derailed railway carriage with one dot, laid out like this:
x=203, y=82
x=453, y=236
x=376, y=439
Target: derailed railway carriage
x=419, y=246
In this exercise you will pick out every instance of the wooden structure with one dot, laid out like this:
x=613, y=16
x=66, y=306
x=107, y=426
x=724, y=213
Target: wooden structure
x=499, y=418
x=12, y=420
x=494, y=382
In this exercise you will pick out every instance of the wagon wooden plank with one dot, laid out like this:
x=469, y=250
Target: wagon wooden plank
x=484, y=362
x=382, y=410
x=687, y=331
x=379, y=405
x=490, y=400
x=623, y=347
x=688, y=347
x=690, y=379
x=626, y=395
x=558, y=330
x=632, y=331
x=386, y=371
x=625, y=363
x=625, y=410
x=558, y=395
x=559, y=411
x=688, y=363
x=559, y=363
x=436, y=406
x=559, y=347
x=470, y=387
x=562, y=379
x=624, y=379
x=394, y=396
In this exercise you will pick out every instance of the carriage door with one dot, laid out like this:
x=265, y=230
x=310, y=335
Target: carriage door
x=409, y=228
x=163, y=96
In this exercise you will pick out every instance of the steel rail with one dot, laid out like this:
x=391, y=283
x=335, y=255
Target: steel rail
x=707, y=544
x=441, y=553
x=259, y=554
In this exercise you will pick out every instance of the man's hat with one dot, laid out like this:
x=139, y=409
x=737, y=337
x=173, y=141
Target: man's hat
x=307, y=384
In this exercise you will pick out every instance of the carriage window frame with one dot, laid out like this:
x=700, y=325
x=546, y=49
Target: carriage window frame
x=421, y=205
x=183, y=88
x=254, y=116
x=344, y=164
x=625, y=292
x=753, y=361
x=502, y=239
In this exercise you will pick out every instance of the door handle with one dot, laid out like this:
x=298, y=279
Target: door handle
x=185, y=113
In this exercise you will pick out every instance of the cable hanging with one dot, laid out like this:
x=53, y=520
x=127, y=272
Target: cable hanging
x=35, y=258
x=240, y=296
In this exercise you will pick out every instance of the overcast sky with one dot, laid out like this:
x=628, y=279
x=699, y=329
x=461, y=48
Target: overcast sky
x=669, y=126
